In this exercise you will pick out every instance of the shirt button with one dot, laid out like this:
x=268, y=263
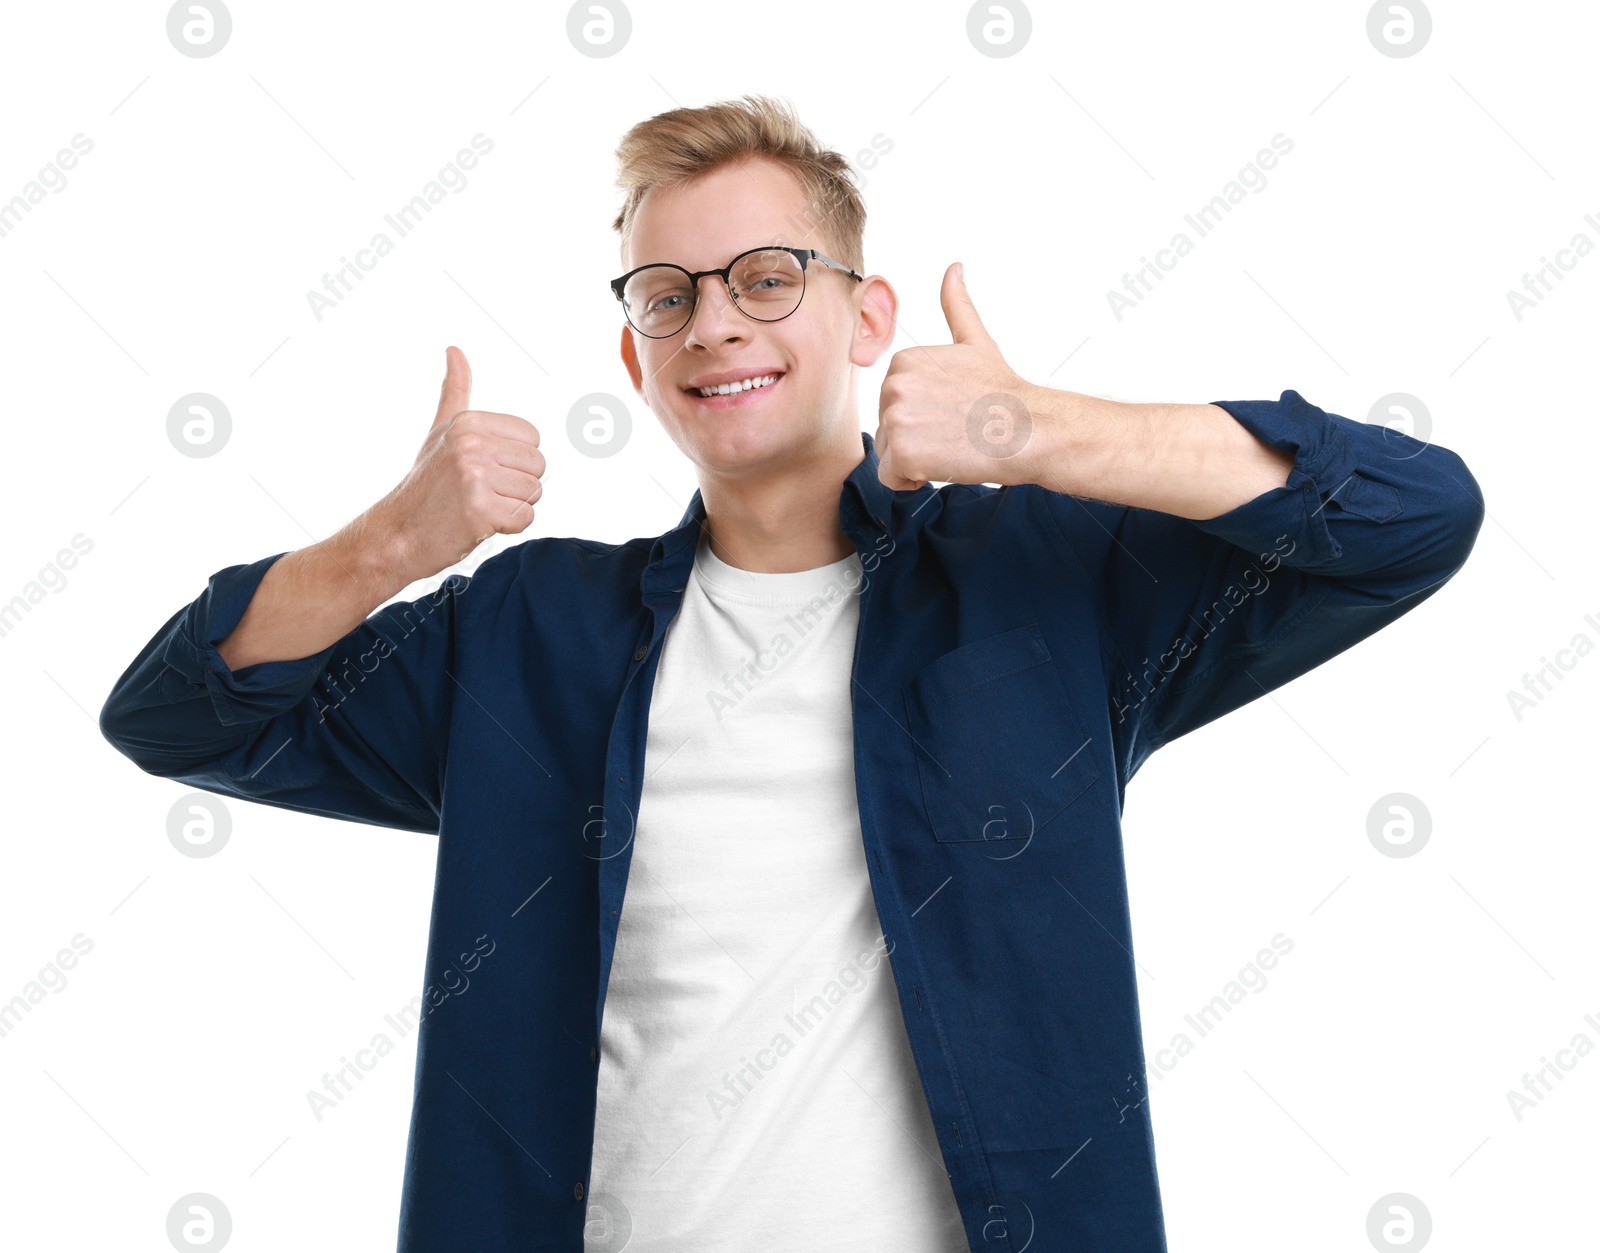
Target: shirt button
x=639, y=656
x=594, y=1053
x=577, y=1189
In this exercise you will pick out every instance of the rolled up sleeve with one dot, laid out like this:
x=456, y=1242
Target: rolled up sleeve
x=1201, y=617
x=356, y=731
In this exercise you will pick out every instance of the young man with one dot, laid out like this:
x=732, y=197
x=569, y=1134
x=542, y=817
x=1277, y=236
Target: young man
x=855, y=746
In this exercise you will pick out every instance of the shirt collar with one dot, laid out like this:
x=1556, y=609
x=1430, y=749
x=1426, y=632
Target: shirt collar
x=865, y=503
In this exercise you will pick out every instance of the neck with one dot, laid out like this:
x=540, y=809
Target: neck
x=788, y=521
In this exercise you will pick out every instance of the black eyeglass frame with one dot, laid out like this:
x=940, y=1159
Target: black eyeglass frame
x=802, y=255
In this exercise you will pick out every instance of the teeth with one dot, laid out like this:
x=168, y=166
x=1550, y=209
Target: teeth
x=727, y=389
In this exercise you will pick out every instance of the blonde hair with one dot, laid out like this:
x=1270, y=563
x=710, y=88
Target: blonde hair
x=682, y=145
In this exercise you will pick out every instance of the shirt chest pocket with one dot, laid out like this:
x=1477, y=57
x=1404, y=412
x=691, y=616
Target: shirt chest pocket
x=1000, y=750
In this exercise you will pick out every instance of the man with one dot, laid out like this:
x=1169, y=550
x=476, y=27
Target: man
x=855, y=746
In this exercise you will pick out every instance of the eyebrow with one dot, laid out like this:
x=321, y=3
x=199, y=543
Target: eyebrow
x=737, y=252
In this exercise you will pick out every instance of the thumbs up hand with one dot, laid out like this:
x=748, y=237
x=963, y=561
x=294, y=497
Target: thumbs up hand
x=476, y=474
x=954, y=413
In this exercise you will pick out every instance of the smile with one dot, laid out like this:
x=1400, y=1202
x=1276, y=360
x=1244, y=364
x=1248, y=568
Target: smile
x=739, y=395
x=727, y=389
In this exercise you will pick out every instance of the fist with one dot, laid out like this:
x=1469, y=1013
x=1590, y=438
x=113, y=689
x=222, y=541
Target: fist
x=477, y=474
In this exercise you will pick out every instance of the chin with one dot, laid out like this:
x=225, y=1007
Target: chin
x=729, y=443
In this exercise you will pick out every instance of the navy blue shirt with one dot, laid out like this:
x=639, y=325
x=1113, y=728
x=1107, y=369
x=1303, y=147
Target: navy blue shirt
x=1019, y=654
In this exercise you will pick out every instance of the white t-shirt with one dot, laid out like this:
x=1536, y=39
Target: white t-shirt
x=756, y=1088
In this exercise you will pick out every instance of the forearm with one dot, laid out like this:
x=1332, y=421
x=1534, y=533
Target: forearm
x=1193, y=461
x=315, y=596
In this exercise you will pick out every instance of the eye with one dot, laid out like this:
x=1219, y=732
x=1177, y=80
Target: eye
x=770, y=281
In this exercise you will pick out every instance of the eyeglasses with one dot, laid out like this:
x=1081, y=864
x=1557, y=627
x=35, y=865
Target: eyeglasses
x=766, y=284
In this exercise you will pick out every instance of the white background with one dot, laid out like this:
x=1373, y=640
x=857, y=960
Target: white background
x=177, y=259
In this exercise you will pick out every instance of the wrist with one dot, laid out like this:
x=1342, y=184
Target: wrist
x=373, y=552
x=1071, y=439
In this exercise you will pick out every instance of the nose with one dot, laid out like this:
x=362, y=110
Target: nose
x=714, y=313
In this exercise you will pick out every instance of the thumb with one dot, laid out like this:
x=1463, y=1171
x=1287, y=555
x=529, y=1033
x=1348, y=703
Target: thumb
x=959, y=311
x=456, y=393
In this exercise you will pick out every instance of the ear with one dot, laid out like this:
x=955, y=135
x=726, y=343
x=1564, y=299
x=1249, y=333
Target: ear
x=876, y=307
x=630, y=358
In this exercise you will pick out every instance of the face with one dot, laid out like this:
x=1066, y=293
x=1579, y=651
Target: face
x=841, y=324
